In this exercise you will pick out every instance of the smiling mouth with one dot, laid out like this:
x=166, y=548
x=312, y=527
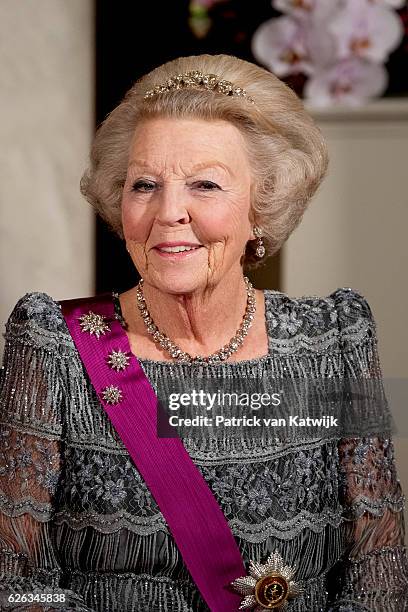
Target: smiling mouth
x=177, y=252
x=177, y=249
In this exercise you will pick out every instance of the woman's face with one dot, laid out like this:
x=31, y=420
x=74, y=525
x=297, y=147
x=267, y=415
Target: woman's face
x=188, y=181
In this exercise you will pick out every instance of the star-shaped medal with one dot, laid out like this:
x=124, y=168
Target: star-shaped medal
x=118, y=360
x=93, y=323
x=112, y=395
x=268, y=586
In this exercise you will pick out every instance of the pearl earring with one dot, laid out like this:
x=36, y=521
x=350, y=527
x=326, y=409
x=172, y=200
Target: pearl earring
x=260, y=249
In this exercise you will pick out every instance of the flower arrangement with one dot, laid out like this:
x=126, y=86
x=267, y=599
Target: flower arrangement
x=340, y=46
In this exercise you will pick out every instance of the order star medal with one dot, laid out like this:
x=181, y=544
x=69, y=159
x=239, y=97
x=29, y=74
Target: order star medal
x=118, y=360
x=112, y=395
x=93, y=323
x=268, y=585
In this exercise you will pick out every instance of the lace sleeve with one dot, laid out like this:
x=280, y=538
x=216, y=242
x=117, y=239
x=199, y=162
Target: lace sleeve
x=373, y=575
x=31, y=399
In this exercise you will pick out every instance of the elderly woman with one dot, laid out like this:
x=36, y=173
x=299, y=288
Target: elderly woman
x=204, y=169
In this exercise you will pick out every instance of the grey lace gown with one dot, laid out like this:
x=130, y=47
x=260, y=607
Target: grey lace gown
x=77, y=518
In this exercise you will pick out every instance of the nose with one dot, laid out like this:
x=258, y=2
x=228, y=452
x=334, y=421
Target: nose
x=172, y=206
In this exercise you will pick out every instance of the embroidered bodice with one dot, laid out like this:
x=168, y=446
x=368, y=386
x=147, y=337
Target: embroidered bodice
x=77, y=518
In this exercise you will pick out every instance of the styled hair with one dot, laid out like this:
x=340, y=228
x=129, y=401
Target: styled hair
x=286, y=149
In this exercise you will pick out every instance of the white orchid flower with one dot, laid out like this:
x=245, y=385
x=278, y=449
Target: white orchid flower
x=308, y=9
x=364, y=29
x=350, y=82
x=288, y=46
x=395, y=4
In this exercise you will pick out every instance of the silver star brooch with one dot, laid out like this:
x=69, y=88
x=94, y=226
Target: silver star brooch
x=112, y=395
x=268, y=586
x=118, y=360
x=93, y=323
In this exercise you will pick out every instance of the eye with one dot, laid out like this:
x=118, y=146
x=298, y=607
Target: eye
x=143, y=186
x=207, y=185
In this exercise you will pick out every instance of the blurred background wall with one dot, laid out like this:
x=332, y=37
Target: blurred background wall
x=354, y=232
x=46, y=126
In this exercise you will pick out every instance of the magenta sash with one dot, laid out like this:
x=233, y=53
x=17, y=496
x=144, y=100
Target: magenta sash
x=192, y=513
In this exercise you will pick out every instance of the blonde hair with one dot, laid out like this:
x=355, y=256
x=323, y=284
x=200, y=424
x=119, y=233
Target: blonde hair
x=286, y=149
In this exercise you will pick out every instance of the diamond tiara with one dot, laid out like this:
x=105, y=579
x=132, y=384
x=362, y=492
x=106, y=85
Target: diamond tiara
x=195, y=79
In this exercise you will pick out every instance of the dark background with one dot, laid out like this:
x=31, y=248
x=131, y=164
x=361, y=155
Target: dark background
x=132, y=38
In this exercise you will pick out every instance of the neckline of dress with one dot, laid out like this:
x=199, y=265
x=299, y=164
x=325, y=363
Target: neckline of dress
x=164, y=363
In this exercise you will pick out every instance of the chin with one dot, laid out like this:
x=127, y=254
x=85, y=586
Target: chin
x=177, y=281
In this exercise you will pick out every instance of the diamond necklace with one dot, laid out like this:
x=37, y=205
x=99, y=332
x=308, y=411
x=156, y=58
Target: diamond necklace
x=176, y=352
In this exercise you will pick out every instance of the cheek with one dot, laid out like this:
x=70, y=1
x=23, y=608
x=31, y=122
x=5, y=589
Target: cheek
x=226, y=223
x=135, y=223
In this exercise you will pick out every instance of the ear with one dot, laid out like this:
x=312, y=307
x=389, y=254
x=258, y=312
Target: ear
x=252, y=235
